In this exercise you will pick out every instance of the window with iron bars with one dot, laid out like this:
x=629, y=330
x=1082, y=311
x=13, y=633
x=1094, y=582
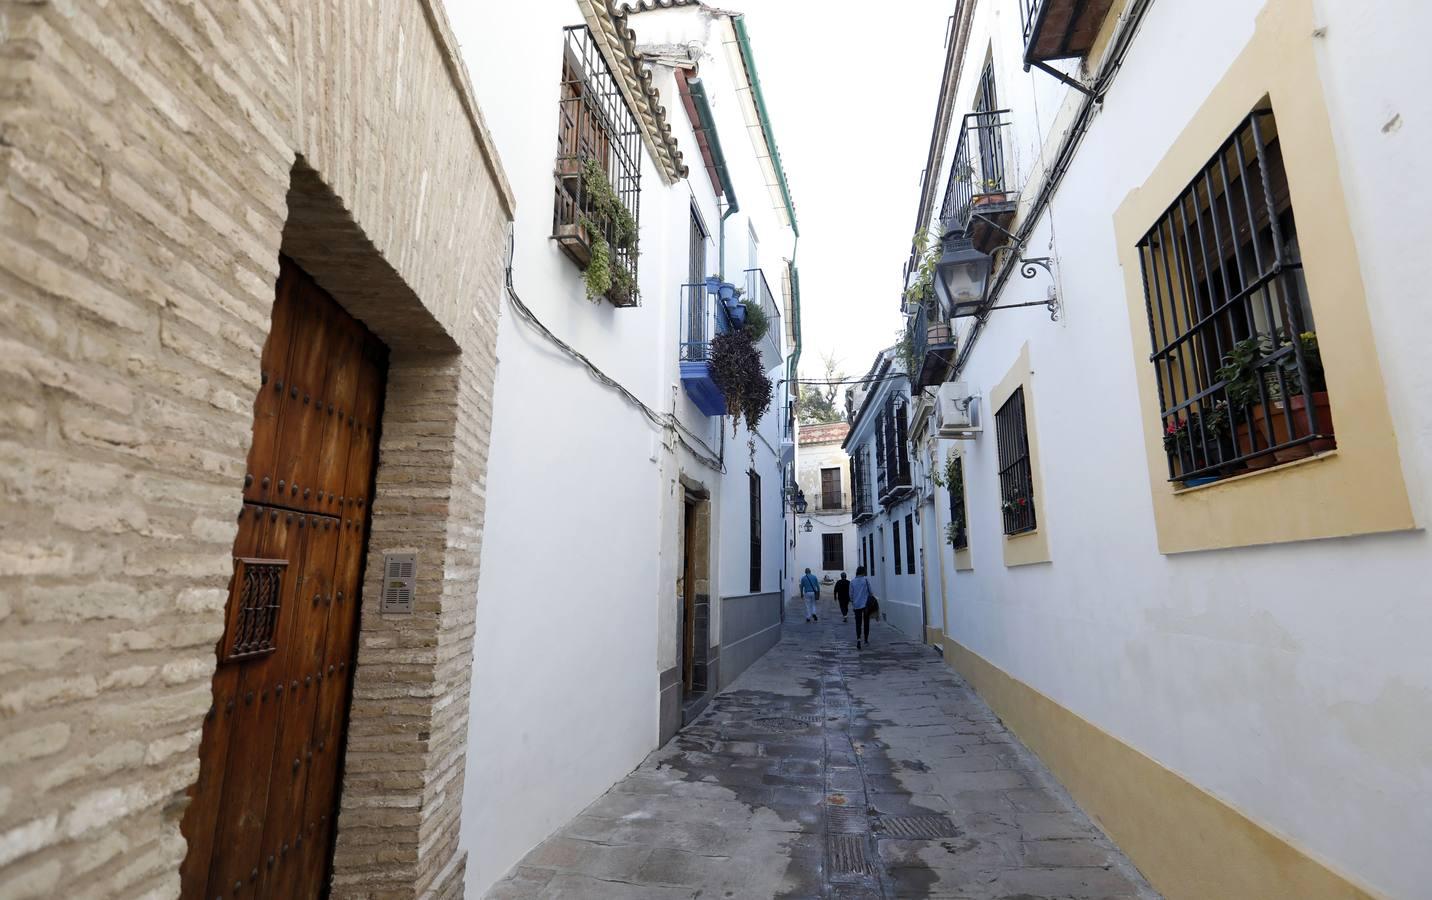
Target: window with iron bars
x=596, y=130
x=755, y=481
x=1235, y=350
x=1016, y=479
x=832, y=552
x=959, y=534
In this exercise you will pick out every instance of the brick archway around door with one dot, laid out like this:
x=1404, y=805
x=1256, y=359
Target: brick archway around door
x=403, y=774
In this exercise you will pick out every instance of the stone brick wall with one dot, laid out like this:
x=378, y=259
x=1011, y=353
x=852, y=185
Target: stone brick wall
x=155, y=157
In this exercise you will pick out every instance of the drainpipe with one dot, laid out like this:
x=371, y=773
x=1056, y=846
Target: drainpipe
x=718, y=159
x=743, y=41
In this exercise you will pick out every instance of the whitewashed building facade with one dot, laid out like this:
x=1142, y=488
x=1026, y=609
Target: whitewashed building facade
x=1192, y=560
x=828, y=545
x=636, y=545
x=883, y=499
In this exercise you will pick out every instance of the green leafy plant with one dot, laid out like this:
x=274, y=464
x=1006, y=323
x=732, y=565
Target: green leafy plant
x=607, y=215
x=927, y=245
x=1240, y=370
x=599, y=271
x=757, y=323
x=1312, y=361
x=736, y=369
x=905, y=350
x=953, y=534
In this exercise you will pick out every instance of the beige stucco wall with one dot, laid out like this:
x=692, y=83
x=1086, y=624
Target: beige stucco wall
x=147, y=155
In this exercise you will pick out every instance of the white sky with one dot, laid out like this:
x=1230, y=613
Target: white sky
x=851, y=90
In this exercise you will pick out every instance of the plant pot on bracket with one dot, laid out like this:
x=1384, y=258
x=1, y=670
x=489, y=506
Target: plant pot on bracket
x=1274, y=412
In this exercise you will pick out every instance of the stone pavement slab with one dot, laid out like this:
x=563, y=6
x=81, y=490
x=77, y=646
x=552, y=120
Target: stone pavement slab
x=827, y=772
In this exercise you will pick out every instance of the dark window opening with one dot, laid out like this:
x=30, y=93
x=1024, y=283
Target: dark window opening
x=832, y=552
x=755, y=532
x=959, y=535
x=895, y=544
x=1016, y=478
x=910, y=544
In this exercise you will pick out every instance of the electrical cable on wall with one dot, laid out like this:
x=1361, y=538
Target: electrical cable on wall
x=666, y=422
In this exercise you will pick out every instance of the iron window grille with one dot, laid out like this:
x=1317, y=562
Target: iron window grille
x=755, y=532
x=860, y=485
x=1235, y=352
x=1016, y=479
x=832, y=552
x=895, y=543
x=595, y=125
x=960, y=536
x=910, y=544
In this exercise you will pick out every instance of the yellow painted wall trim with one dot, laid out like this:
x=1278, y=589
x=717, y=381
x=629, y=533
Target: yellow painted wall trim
x=1030, y=547
x=1360, y=489
x=1188, y=843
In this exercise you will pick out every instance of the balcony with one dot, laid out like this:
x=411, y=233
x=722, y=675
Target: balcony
x=933, y=340
x=980, y=195
x=1060, y=29
x=703, y=316
x=832, y=501
x=758, y=291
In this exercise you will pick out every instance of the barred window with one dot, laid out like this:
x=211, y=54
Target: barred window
x=832, y=552
x=1235, y=350
x=959, y=536
x=895, y=543
x=1016, y=479
x=910, y=544
x=755, y=525
x=598, y=168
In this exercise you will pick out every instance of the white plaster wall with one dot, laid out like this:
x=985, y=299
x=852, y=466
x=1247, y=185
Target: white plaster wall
x=564, y=614
x=1292, y=681
x=577, y=607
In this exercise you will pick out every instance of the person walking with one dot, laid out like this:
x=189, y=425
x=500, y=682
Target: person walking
x=864, y=603
x=842, y=596
x=810, y=591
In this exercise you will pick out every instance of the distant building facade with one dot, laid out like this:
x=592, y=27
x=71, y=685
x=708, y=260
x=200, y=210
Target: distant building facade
x=823, y=478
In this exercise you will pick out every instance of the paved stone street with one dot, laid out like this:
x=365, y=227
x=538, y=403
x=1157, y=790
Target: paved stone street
x=827, y=772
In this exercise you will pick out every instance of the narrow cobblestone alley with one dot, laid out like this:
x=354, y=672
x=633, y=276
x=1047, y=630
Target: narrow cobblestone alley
x=834, y=773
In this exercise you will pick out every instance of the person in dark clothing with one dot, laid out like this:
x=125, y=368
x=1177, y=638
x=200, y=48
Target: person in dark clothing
x=864, y=602
x=842, y=596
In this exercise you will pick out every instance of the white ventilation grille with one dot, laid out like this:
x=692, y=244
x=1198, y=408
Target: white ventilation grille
x=400, y=581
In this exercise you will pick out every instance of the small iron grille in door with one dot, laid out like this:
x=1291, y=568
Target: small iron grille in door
x=253, y=609
x=1016, y=478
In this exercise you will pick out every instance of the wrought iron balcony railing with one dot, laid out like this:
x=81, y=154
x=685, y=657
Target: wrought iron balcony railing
x=759, y=291
x=979, y=175
x=933, y=340
x=1060, y=29
x=703, y=316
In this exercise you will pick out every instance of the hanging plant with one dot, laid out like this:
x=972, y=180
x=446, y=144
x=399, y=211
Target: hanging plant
x=606, y=215
x=736, y=369
x=599, y=271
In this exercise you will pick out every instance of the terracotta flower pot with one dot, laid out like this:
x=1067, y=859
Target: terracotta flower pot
x=1324, y=412
x=988, y=199
x=937, y=334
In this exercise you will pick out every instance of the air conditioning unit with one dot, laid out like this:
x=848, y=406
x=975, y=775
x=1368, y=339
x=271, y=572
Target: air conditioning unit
x=957, y=412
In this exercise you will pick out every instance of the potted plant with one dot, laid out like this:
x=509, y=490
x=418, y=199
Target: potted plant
x=606, y=223
x=730, y=296
x=754, y=319
x=1186, y=440
x=988, y=192
x=1244, y=385
x=1318, y=387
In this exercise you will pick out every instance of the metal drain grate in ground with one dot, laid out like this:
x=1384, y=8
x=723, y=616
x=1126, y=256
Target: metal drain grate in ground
x=848, y=855
x=916, y=827
x=783, y=723
x=845, y=820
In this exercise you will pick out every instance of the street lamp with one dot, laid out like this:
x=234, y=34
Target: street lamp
x=961, y=275
x=809, y=527
x=799, y=504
